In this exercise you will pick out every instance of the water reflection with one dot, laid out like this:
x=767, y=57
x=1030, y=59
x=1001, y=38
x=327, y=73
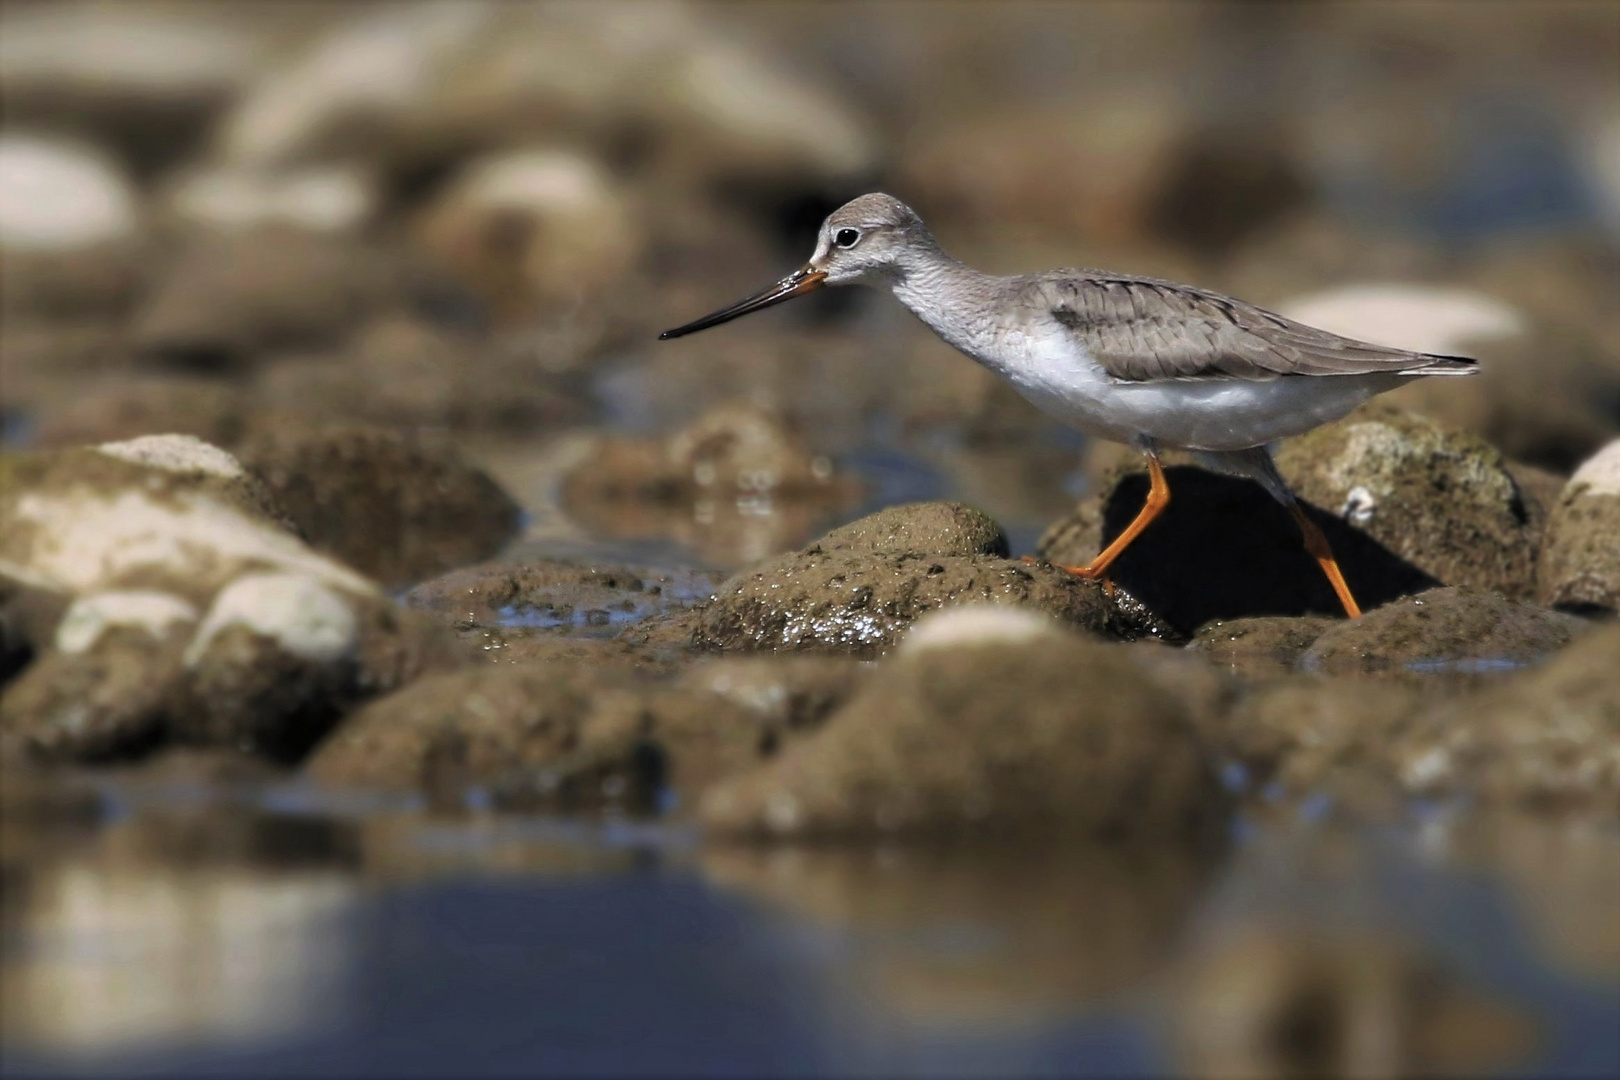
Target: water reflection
x=178, y=929
x=989, y=939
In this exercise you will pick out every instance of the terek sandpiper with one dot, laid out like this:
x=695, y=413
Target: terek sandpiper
x=1131, y=359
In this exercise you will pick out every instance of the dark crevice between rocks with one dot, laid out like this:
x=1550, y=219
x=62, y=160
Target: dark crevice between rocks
x=1224, y=549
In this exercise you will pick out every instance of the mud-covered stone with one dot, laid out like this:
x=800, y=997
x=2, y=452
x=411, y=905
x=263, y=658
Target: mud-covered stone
x=1579, y=567
x=1547, y=738
x=1223, y=550
x=1441, y=499
x=863, y=603
x=1307, y=735
x=482, y=719
x=561, y=598
x=1262, y=646
x=918, y=529
x=738, y=482
x=1453, y=630
x=1404, y=503
x=395, y=506
x=159, y=595
x=1044, y=733
x=786, y=693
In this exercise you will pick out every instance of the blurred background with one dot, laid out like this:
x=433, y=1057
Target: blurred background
x=463, y=223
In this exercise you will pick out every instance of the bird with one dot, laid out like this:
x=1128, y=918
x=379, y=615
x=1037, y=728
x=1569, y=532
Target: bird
x=1137, y=360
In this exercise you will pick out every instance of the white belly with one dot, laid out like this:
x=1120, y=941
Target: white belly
x=1192, y=414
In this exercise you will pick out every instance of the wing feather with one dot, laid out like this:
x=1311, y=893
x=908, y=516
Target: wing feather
x=1146, y=330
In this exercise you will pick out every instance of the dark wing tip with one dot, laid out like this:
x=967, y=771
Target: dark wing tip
x=1440, y=364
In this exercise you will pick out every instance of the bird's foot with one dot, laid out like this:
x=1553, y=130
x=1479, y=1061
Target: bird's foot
x=1080, y=572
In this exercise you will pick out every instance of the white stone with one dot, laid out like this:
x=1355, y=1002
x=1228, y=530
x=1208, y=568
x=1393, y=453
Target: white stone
x=176, y=453
x=82, y=542
x=1600, y=472
x=328, y=198
x=301, y=615
x=977, y=624
x=57, y=195
x=91, y=616
x=387, y=59
x=1423, y=318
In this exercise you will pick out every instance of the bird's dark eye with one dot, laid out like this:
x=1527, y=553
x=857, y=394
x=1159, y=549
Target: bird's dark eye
x=846, y=237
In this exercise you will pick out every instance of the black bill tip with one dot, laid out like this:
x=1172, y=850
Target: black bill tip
x=795, y=284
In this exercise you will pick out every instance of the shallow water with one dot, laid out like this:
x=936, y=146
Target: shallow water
x=277, y=931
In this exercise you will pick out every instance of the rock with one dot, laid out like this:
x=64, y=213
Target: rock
x=397, y=507
x=126, y=406
x=403, y=372
x=57, y=196
x=69, y=242
x=187, y=609
x=593, y=656
x=1543, y=392
x=737, y=482
x=420, y=84
x=537, y=738
x=1267, y=645
x=1442, y=500
x=315, y=198
x=1272, y=1004
x=561, y=598
x=786, y=694
x=1579, y=567
x=540, y=228
x=142, y=80
x=488, y=719
x=1223, y=550
x=231, y=296
x=1314, y=736
x=1442, y=630
x=860, y=589
x=1547, y=738
x=987, y=737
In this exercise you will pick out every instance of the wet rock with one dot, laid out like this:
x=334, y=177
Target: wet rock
x=1270, y=1004
x=69, y=247
x=861, y=595
x=738, y=483
x=397, y=507
x=127, y=406
x=1442, y=630
x=591, y=656
x=786, y=694
x=484, y=719
x=1544, y=392
x=919, y=529
x=187, y=609
x=536, y=738
x=232, y=295
x=1579, y=567
x=991, y=736
x=1223, y=550
x=400, y=371
x=1260, y=646
x=562, y=598
x=1300, y=737
x=1442, y=500
x=533, y=229
x=1548, y=738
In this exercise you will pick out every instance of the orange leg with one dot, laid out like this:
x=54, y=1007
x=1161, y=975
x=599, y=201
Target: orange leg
x=1317, y=545
x=1158, y=498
